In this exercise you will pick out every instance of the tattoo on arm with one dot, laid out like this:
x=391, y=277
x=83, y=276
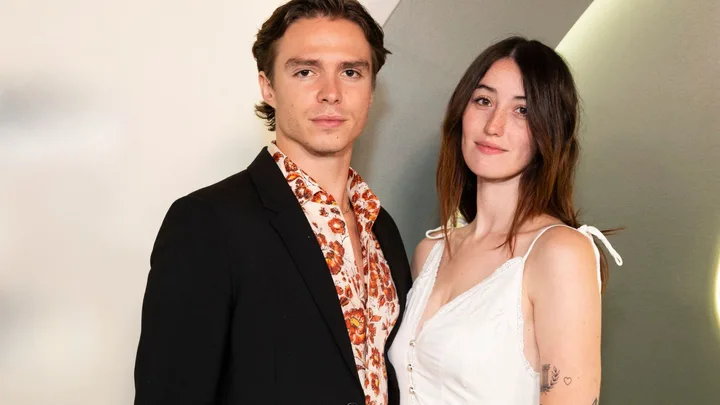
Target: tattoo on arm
x=549, y=379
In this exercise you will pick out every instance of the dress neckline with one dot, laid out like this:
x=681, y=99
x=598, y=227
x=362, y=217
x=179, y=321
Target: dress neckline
x=458, y=298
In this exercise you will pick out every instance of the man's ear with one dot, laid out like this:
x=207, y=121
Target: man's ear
x=266, y=89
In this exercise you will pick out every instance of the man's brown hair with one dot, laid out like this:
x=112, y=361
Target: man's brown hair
x=264, y=49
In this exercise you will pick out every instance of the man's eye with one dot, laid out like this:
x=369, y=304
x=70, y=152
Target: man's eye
x=352, y=73
x=303, y=73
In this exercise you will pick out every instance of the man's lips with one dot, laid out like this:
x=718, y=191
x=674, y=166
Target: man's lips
x=328, y=121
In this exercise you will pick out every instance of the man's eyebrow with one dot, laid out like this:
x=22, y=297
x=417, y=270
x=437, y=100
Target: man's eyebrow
x=294, y=62
x=492, y=90
x=355, y=64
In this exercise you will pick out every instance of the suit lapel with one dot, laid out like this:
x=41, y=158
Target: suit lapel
x=393, y=249
x=293, y=228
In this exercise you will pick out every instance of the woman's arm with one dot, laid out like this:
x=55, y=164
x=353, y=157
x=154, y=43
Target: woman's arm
x=564, y=292
x=420, y=256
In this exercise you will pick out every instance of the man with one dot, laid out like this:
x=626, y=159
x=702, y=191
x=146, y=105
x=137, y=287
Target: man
x=285, y=283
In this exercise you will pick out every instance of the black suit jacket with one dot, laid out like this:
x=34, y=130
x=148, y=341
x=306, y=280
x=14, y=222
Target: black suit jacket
x=240, y=307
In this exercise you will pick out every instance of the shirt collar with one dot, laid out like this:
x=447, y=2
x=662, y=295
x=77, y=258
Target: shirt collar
x=365, y=203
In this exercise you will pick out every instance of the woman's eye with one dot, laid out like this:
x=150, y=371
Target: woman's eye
x=522, y=110
x=482, y=101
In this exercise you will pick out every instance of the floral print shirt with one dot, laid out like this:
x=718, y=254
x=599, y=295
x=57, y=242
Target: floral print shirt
x=368, y=299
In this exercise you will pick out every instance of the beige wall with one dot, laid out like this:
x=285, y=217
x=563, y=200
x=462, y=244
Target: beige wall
x=648, y=72
x=109, y=110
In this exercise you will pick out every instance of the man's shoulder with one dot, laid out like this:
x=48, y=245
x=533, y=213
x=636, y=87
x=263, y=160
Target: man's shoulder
x=386, y=214
x=235, y=186
x=387, y=218
x=226, y=198
x=386, y=229
x=239, y=188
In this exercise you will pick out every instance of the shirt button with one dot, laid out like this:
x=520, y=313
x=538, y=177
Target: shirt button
x=412, y=390
x=413, y=342
x=410, y=368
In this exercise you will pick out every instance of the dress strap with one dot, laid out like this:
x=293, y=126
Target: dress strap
x=538, y=237
x=589, y=232
x=592, y=231
x=435, y=233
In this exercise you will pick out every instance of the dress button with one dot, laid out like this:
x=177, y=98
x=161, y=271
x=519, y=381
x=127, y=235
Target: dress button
x=413, y=342
x=412, y=390
x=410, y=368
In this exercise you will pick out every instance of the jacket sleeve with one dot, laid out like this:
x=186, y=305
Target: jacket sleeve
x=186, y=310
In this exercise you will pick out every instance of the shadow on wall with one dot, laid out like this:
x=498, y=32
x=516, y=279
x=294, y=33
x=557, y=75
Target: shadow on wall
x=369, y=143
x=399, y=164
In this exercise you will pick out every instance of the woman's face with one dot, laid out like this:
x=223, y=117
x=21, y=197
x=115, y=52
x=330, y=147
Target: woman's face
x=496, y=140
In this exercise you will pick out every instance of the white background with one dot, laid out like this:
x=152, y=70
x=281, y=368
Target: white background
x=109, y=110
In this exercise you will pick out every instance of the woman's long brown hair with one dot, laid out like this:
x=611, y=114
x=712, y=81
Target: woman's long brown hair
x=546, y=184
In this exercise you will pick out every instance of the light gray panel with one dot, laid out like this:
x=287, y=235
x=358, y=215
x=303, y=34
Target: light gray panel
x=433, y=42
x=648, y=74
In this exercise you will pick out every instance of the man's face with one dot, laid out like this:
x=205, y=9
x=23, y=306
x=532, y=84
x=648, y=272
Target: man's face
x=322, y=85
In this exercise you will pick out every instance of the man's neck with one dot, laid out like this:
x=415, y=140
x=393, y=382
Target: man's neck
x=330, y=171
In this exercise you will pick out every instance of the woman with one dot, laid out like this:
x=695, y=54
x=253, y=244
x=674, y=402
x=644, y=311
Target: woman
x=506, y=310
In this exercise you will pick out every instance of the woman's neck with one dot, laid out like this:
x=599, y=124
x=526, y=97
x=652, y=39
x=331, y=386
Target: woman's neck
x=496, y=205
